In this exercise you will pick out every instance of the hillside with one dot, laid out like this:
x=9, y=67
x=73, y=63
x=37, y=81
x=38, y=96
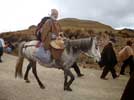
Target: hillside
x=75, y=28
x=73, y=23
x=127, y=32
x=70, y=26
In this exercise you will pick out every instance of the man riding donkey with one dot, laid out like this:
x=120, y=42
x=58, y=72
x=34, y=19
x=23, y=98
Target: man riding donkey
x=50, y=37
x=49, y=33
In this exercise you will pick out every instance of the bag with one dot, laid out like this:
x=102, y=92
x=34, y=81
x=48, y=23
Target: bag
x=43, y=56
x=39, y=26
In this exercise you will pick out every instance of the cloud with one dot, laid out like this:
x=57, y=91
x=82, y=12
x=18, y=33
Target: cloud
x=20, y=14
x=117, y=13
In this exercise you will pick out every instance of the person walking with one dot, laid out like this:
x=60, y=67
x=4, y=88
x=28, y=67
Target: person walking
x=108, y=61
x=127, y=56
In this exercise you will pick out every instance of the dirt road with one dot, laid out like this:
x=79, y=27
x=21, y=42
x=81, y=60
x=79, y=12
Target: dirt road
x=89, y=87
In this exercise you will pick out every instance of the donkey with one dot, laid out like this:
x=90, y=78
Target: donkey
x=72, y=50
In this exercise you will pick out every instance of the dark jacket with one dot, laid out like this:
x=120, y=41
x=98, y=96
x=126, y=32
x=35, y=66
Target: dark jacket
x=128, y=93
x=1, y=48
x=108, y=56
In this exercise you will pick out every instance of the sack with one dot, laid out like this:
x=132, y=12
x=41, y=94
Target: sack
x=39, y=26
x=42, y=55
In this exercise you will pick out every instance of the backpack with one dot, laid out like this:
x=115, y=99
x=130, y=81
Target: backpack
x=39, y=26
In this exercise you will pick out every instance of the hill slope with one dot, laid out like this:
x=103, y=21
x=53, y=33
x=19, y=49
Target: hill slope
x=85, y=24
x=67, y=23
x=73, y=28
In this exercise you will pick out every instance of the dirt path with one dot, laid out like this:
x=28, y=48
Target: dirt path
x=89, y=87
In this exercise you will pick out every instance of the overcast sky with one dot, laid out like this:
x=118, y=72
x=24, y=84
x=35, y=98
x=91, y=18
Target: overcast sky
x=20, y=14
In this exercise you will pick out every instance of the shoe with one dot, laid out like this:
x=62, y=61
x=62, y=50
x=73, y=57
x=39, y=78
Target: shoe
x=67, y=89
x=116, y=77
x=122, y=73
x=104, y=78
x=80, y=75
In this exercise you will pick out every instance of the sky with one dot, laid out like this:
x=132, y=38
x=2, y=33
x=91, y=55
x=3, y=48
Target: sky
x=20, y=14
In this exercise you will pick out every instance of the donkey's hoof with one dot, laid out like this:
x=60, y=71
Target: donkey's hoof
x=42, y=87
x=27, y=81
x=67, y=89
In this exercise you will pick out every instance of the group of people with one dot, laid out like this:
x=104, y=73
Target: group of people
x=109, y=59
x=5, y=46
x=125, y=57
x=50, y=31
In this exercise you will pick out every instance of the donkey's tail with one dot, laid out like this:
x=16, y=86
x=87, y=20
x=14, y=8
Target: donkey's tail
x=19, y=64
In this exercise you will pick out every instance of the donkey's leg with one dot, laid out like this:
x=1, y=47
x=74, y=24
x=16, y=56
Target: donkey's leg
x=65, y=79
x=27, y=72
x=71, y=80
x=69, y=73
x=36, y=76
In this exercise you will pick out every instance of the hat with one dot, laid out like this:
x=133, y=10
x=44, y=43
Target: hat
x=57, y=44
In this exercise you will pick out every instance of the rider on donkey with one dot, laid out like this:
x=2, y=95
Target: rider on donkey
x=51, y=32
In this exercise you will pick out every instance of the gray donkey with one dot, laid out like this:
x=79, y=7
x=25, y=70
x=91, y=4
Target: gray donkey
x=73, y=48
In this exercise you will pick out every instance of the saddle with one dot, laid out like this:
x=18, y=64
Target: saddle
x=57, y=48
x=55, y=51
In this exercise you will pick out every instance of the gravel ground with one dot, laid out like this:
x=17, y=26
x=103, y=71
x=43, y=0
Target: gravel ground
x=89, y=87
